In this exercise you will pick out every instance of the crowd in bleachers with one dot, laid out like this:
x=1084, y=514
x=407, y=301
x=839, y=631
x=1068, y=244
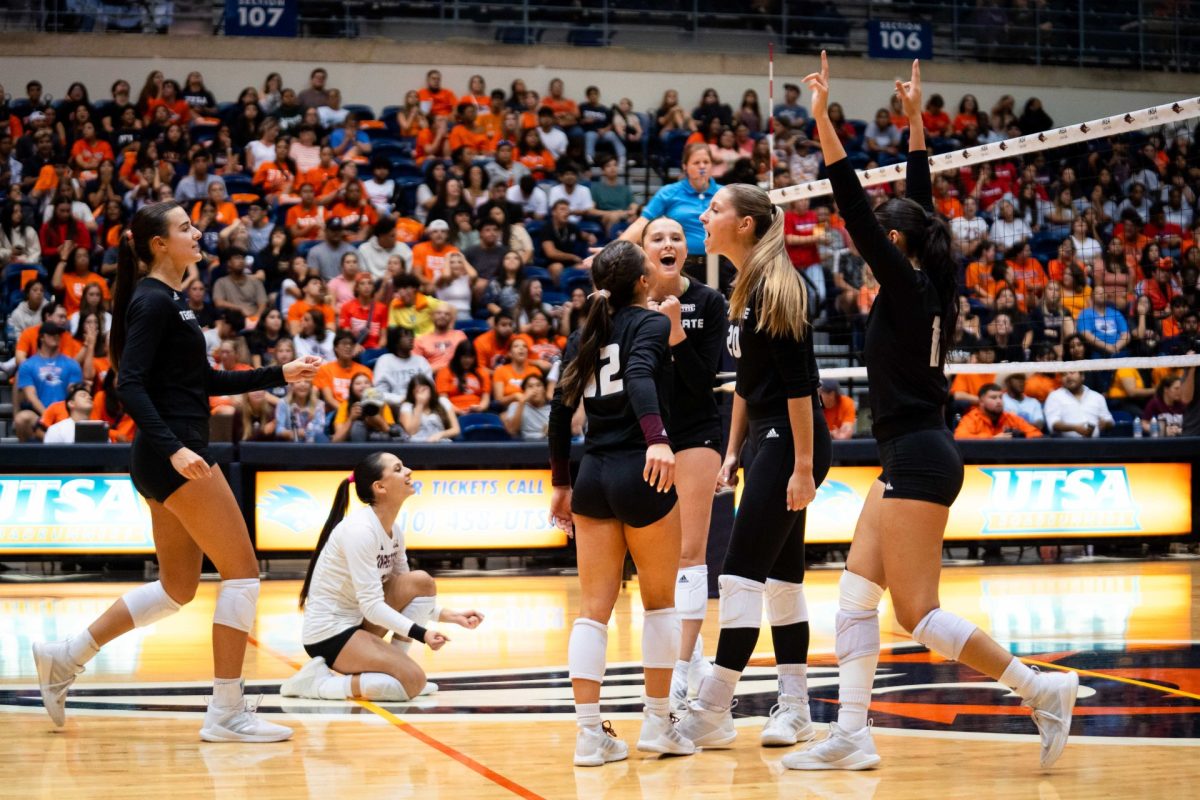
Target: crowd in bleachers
x=433, y=253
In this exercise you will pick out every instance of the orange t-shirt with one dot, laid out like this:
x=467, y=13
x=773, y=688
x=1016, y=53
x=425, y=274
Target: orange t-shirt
x=89, y=156
x=489, y=351
x=507, y=376
x=539, y=163
x=431, y=263
x=948, y=207
x=462, y=136
x=971, y=384
x=226, y=212
x=301, y=307
x=1039, y=385
x=356, y=220
x=438, y=348
x=181, y=112
x=479, y=386
x=55, y=412
x=27, y=343
x=561, y=106
x=271, y=177
x=844, y=412
x=318, y=176
x=219, y=401
x=441, y=103
x=332, y=376
x=311, y=221
x=73, y=286
x=976, y=424
x=409, y=230
x=122, y=431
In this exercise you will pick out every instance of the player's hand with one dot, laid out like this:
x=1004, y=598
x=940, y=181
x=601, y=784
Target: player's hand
x=435, y=640
x=660, y=467
x=301, y=369
x=190, y=465
x=560, y=510
x=469, y=619
x=727, y=478
x=818, y=84
x=909, y=92
x=672, y=310
x=800, y=490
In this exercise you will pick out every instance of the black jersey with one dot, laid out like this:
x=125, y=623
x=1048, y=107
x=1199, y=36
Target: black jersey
x=903, y=349
x=697, y=358
x=164, y=371
x=633, y=379
x=771, y=369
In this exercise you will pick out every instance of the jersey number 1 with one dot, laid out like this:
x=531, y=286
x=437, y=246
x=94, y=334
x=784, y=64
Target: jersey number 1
x=610, y=363
x=935, y=344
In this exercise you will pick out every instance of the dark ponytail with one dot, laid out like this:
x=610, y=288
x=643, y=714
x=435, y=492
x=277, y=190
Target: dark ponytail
x=133, y=262
x=615, y=272
x=366, y=472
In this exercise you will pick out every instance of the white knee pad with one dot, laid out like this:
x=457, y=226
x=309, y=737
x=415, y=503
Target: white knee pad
x=236, y=604
x=785, y=603
x=149, y=603
x=741, y=602
x=421, y=610
x=691, y=592
x=381, y=686
x=857, y=635
x=944, y=633
x=586, y=650
x=856, y=593
x=660, y=639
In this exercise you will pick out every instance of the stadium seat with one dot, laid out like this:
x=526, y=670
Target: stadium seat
x=239, y=184
x=519, y=34
x=483, y=428
x=472, y=327
x=575, y=278
x=542, y=274
x=12, y=290
x=590, y=37
x=368, y=357
x=363, y=112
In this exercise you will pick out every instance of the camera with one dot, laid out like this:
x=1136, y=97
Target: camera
x=372, y=402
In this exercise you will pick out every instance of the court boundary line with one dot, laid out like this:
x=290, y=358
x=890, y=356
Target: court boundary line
x=420, y=735
x=1107, y=677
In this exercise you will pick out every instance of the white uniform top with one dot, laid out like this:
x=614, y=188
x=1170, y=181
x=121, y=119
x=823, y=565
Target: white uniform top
x=347, y=583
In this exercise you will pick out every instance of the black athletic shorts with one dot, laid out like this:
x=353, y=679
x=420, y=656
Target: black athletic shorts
x=922, y=465
x=611, y=486
x=152, y=473
x=704, y=434
x=330, y=648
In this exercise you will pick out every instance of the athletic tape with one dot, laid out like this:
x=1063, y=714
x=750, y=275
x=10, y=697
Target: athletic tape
x=1047, y=140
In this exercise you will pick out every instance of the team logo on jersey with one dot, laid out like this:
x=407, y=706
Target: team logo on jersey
x=772, y=434
x=1032, y=499
x=187, y=315
x=292, y=508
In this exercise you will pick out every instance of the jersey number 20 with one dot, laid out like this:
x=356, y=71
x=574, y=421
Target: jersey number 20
x=610, y=363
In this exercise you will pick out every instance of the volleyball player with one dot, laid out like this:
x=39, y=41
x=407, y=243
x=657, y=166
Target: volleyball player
x=898, y=540
x=698, y=324
x=358, y=581
x=618, y=366
x=164, y=380
x=776, y=403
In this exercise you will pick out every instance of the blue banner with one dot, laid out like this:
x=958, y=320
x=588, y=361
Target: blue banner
x=73, y=514
x=907, y=40
x=262, y=17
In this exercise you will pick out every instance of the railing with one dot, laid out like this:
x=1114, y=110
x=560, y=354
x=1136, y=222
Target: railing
x=1138, y=34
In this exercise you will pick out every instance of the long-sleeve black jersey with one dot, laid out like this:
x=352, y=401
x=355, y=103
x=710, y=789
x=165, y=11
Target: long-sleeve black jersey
x=698, y=357
x=903, y=349
x=164, y=372
x=633, y=380
x=771, y=369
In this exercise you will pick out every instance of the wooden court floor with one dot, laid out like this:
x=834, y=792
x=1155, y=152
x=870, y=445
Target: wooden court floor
x=501, y=726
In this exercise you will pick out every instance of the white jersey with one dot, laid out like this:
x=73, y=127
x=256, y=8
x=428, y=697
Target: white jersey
x=347, y=583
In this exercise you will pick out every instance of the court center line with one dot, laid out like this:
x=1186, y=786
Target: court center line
x=1118, y=678
x=420, y=735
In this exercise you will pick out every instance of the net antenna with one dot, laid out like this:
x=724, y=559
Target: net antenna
x=771, y=115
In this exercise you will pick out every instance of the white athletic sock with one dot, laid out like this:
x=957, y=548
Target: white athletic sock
x=82, y=648
x=682, y=665
x=335, y=687
x=587, y=715
x=227, y=693
x=856, y=594
x=793, y=680
x=657, y=706
x=717, y=690
x=1020, y=678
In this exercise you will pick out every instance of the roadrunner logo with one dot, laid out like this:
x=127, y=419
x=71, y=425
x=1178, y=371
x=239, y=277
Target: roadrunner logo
x=1059, y=499
x=293, y=508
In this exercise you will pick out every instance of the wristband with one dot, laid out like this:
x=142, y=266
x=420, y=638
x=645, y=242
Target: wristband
x=417, y=633
x=653, y=429
x=560, y=471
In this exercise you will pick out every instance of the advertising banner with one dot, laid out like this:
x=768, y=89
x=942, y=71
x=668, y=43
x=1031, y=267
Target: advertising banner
x=49, y=514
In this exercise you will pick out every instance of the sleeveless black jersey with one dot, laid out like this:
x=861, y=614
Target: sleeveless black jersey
x=633, y=379
x=697, y=358
x=903, y=350
x=771, y=369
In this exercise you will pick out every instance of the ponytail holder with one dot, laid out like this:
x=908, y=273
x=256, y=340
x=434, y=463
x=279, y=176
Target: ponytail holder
x=350, y=478
x=602, y=292
x=128, y=235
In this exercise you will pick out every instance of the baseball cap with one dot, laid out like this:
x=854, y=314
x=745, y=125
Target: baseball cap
x=437, y=225
x=829, y=385
x=334, y=224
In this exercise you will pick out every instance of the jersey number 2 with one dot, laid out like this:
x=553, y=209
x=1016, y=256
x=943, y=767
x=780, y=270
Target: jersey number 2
x=610, y=363
x=935, y=344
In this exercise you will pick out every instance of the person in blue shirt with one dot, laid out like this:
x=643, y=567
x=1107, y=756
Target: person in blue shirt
x=1103, y=327
x=42, y=380
x=684, y=201
x=790, y=113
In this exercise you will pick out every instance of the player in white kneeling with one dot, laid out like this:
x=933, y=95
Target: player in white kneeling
x=358, y=588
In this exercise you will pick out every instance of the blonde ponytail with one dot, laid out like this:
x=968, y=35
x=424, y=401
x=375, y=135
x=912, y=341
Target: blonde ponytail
x=768, y=276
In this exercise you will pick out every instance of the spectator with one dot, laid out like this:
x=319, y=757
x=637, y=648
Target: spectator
x=331, y=114
x=73, y=274
x=968, y=231
x=456, y=288
x=562, y=241
x=503, y=169
x=238, y=290
x=363, y=315
x=627, y=125
x=194, y=186
x=552, y=138
x=42, y=379
x=469, y=132
x=566, y=112
x=840, y=414
x=28, y=314
x=1022, y=405
x=466, y=384
x=93, y=341
x=491, y=346
x=1102, y=326
x=107, y=408
x=300, y=416
x=1075, y=411
x=528, y=417
x=316, y=94
x=396, y=368
x=265, y=338
x=966, y=385
x=1034, y=119
x=363, y=415
x=62, y=233
x=1008, y=229
x=334, y=377
x=614, y=203
x=306, y=219
x=530, y=197
x=341, y=288
x=578, y=197
x=882, y=139
x=791, y=113
x=435, y=101
x=545, y=345
x=313, y=338
x=1027, y=274
x=326, y=256
x=382, y=246
x=410, y=307
x=425, y=416
x=1166, y=406
x=508, y=378
x=450, y=201
x=258, y=417
x=19, y=242
x=710, y=107
x=313, y=297
x=1162, y=287
x=79, y=409
x=597, y=123
x=989, y=420
x=487, y=257
x=437, y=346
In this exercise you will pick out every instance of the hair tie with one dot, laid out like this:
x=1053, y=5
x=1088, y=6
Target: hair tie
x=602, y=292
x=350, y=479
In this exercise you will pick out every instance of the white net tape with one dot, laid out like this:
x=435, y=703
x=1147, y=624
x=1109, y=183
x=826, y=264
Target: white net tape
x=1072, y=134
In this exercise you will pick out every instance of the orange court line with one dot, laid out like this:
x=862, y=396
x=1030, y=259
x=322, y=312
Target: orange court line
x=1118, y=678
x=421, y=736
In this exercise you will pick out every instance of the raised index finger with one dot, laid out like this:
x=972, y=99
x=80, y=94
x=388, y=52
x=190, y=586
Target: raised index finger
x=916, y=70
x=824, y=65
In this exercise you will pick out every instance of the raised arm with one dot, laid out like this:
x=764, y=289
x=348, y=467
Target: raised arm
x=920, y=187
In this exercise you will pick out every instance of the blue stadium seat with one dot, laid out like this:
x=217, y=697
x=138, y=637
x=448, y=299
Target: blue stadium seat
x=239, y=184
x=573, y=278
x=589, y=37
x=542, y=274
x=302, y=248
x=483, y=428
x=368, y=357
x=472, y=327
x=11, y=293
x=519, y=34
x=359, y=110
x=554, y=298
